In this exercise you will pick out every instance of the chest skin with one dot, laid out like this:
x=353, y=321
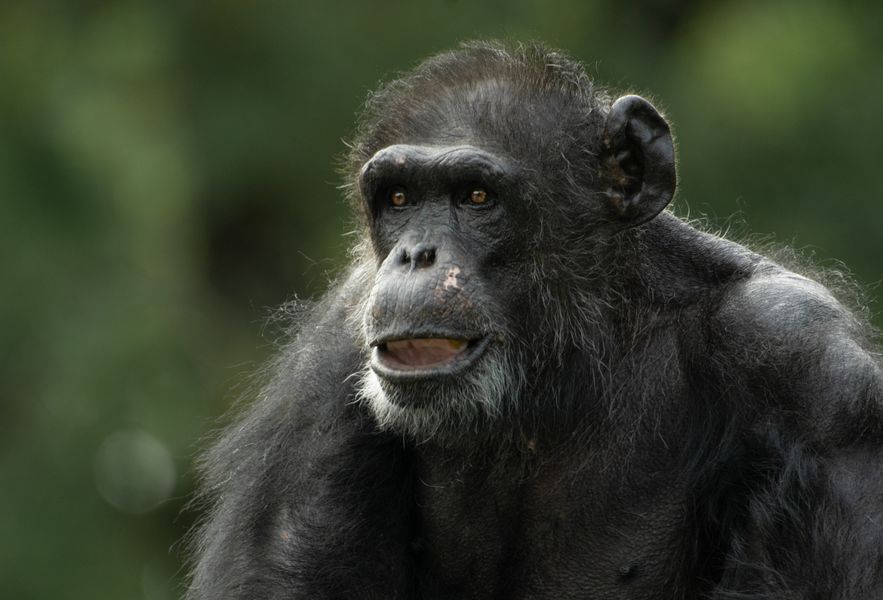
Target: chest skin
x=517, y=529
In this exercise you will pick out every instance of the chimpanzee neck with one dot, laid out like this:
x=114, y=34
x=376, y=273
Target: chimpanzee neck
x=670, y=262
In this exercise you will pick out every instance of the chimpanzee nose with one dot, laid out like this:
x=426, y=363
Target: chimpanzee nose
x=420, y=256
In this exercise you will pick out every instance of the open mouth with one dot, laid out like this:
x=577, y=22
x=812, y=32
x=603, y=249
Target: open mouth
x=417, y=357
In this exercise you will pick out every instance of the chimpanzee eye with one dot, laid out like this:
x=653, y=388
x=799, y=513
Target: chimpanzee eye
x=478, y=196
x=397, y=197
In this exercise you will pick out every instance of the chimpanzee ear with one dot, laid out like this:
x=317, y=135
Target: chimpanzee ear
x=638, y=161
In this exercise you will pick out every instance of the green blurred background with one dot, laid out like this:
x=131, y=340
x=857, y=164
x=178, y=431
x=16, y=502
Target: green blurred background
x=167, y=176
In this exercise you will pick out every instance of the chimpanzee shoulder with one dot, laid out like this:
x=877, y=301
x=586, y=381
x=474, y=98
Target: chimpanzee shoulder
x=812, y=356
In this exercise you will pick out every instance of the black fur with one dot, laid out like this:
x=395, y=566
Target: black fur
x=657, y=412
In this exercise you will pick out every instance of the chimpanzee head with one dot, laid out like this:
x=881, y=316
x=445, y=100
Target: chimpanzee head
x=493, y=183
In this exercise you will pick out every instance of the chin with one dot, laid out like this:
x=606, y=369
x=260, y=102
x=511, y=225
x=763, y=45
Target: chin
x=440, y=403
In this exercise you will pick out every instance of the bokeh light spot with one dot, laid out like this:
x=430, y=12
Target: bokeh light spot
x=134, y=472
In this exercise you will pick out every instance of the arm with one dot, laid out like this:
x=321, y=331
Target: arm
x=812, y=523
x=306, y=499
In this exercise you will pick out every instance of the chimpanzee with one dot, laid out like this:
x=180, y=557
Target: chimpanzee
x=532, y=381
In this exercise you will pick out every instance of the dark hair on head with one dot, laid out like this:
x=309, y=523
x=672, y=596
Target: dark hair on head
x=457, y=82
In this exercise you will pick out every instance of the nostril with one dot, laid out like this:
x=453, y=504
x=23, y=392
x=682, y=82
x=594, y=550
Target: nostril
x=404, y=257
x=420, y=256
x=425, y=257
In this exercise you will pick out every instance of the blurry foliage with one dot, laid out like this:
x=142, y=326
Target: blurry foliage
x=167, y=174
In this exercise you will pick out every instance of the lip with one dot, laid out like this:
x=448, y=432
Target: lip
x=385, y=367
